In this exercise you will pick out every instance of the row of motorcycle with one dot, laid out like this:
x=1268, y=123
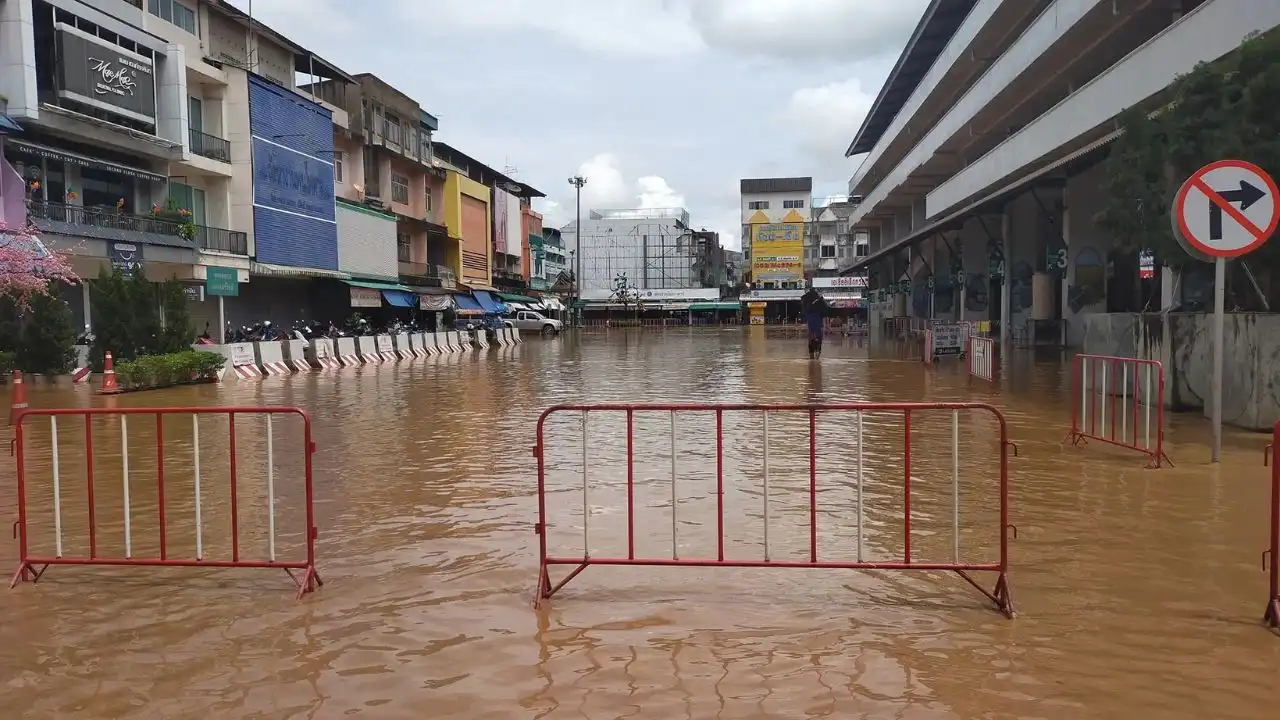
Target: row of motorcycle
x=266, y=331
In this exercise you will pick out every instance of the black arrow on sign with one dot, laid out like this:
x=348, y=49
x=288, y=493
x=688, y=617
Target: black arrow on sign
x=1247, y=195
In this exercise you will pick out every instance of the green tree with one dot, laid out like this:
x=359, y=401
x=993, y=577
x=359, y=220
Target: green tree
x=49, y=336
x=126, y=319
x=178, y=332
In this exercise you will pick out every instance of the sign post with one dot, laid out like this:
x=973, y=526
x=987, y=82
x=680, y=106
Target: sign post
x=1224, y=210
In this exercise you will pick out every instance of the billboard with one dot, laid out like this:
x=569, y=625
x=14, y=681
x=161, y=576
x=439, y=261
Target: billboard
x=777, y=252
x=92, y=71
x=507, y=225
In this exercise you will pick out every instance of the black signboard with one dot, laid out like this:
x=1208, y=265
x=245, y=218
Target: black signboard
x=108, y=77
x=125, y=257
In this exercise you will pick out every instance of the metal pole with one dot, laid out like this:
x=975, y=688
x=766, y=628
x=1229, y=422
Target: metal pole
x=1219, y=303
x=577, y=181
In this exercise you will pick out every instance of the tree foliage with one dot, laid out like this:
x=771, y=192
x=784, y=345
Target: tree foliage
x=178, y=332
x=126, y=316
x=40, y=335
x=1229, y=108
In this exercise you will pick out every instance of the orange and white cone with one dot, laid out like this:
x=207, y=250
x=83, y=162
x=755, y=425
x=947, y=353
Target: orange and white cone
x=18, y=400
x=109, y=386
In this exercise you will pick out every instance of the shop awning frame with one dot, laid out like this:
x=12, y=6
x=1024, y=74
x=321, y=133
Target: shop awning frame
x=66, y=156
x=289, y=271
x=487, y=303
x=400, y=299
x=375, y=285
x=467, y=304
x=513, y=297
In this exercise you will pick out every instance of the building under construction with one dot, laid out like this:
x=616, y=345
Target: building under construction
x=643, y=251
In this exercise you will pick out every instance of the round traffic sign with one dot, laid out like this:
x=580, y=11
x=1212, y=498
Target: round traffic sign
x=1227, y=208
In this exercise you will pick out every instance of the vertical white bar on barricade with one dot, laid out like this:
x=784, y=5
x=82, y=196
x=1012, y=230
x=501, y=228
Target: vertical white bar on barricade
x=955, y=486
x=271, y=492
x=675, y=552
x=195, y=463
x=1102, y=400
x=124, y=485
x=766, y=486
x=1124, y=401
x=586, y=507
x=858, y=416
x=1147, y=410
x=57, y=487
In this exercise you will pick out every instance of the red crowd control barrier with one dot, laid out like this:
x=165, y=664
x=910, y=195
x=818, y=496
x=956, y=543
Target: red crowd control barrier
x=1119, y=401
x=1270, y=557
x=775, y=496
x=982, y=357
x=143, y=495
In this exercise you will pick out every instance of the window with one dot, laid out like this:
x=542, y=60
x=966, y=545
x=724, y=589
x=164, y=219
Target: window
x=391, y=129
x=399, y=188
x=428, y=198
x=863, y=250
x=828, y=251
x=758, y=205
x=789, y=204
x=402, y=247
x=175, y=12
x=372, y=180
x=337, y=167
x=195, y=112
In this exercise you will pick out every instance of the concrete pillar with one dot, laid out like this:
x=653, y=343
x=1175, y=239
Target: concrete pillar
x=1006, y=288
x=172, y=107
x=18, y=58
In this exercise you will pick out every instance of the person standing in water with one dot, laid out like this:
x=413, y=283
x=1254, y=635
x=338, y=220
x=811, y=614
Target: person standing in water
x=815, y=311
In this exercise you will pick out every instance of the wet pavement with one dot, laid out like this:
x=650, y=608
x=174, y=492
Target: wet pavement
x=1139, y=591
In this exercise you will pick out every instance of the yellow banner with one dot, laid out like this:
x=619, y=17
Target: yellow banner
x=777, y=252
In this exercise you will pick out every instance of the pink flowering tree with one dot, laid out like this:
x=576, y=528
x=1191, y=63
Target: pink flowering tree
x=27, y=266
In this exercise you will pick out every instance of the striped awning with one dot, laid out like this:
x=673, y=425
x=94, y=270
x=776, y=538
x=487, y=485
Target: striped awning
x=289, y=271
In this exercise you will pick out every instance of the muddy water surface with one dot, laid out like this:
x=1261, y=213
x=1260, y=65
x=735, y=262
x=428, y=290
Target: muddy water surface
x=1138, y=591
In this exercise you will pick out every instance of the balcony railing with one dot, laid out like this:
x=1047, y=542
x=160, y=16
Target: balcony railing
x=428, y=274
x=205, y=238
x=403, y=255
x=210, y=146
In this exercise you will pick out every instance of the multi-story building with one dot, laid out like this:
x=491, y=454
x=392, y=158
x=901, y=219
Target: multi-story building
x=472, y=194
x=981, y=153
x=554, y=260
x=774, y=214
x=829, y=243
x=651, y=252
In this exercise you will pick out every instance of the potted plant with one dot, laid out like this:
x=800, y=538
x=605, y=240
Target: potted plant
x=178, y=217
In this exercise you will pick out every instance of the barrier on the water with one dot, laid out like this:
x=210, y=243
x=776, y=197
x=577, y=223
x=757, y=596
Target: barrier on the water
x=295, y=355
x=982, y=357
x=386, y=348
x=242, y=358
x=321, y=354
x=429, y=343
x=167, y=493
x=480, y=338
x=416, y=341
x=1119, y=401
x=515, y=335
x=404, y=346
x=269, y=355
x=367, y=349
x=1271, y=558
x=924, y=469
x=348, y=352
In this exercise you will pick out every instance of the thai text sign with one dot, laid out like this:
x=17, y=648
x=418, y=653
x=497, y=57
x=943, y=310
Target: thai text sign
x=949, y=338
x=365, y=298
x=777, y=252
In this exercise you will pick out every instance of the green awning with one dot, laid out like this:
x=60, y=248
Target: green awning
x=716, y=306
x=512, y=297
x=371, y=285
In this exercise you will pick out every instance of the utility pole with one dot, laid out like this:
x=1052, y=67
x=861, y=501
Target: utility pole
x=577, y=181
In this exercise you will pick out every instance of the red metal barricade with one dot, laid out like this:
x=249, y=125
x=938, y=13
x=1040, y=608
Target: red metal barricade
x=178, y=503
x=888, y=426
x=1269, y=557
x=982, y=357
x=1119, y=401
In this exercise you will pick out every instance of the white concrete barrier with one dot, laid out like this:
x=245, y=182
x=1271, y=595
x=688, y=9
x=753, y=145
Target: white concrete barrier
x=453, y=341
x=441, y=342
x=428, y=341
x=295, y=354
x=386, y=348
x=404, y=346
x=348, y=352
x=500, y=337
x=269, y=355
x=416, y=345
x=480, y=338
x=321, y=354
x=515, y=335
x=241, y=358
x=367, y=348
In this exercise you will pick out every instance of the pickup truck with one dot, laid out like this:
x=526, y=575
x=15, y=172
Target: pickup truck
x=531, y=321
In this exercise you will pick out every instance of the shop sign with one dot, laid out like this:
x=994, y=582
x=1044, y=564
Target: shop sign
x=365, y=298
x=221, y=281
x=125, y=257
x=105, y=76
x=845, y=281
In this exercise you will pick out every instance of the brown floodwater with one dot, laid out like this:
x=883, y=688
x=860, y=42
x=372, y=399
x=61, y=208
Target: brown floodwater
x=1138, y=592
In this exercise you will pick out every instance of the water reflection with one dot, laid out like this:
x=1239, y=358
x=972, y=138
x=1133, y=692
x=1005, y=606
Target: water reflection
x=1138, y=589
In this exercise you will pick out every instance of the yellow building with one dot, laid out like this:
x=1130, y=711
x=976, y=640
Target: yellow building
x=777, y=250
x=468, y=217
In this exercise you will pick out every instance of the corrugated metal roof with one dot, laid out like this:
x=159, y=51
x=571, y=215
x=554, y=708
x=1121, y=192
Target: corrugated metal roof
x=754, y=186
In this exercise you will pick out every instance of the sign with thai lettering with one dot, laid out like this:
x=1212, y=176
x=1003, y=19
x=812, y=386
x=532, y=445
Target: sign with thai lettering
x=777, y=252
x=365, y=297
x=221, y=281
x=949, y=338
x=103, y=75
x=844, y=281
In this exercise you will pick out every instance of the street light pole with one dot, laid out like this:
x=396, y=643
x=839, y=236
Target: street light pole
x=577, y=181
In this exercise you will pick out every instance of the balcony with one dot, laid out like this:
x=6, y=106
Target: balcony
x=427, y=275
x=111, y=224
x=210, y=146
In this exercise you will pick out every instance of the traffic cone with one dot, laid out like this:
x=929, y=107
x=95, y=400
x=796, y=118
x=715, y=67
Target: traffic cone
x=18, y=400
x=109, y=386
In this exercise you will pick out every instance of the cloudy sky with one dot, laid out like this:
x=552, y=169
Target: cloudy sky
x=658, y=103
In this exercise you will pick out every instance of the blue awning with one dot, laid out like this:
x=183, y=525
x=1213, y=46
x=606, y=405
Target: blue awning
x=7, y=125
x=488, y=303
x=466, y=303
x=400, y=298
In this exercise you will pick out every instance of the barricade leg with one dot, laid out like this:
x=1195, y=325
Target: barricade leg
x=999, y=594
x=1270, y=557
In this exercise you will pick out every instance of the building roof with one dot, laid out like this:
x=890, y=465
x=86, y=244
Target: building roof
x=759, y=186
x=941, y=20
x=525, y=190
x=304, y=61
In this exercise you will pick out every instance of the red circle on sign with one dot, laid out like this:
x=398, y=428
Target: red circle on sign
x=1197, y=180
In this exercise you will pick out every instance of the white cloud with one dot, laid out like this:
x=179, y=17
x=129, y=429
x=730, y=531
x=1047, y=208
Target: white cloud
x=824, y=119
x=836, y=29
x=608, y=188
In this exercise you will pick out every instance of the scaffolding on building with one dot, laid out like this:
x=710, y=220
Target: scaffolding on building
x=648, y=248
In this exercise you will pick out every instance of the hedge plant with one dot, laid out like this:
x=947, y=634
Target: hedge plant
x=158, y=371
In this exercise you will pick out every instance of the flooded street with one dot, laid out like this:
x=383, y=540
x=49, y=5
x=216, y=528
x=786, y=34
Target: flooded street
x=1138, y=592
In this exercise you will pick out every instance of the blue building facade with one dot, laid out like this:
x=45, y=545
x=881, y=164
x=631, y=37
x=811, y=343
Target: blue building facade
x=294, y=215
